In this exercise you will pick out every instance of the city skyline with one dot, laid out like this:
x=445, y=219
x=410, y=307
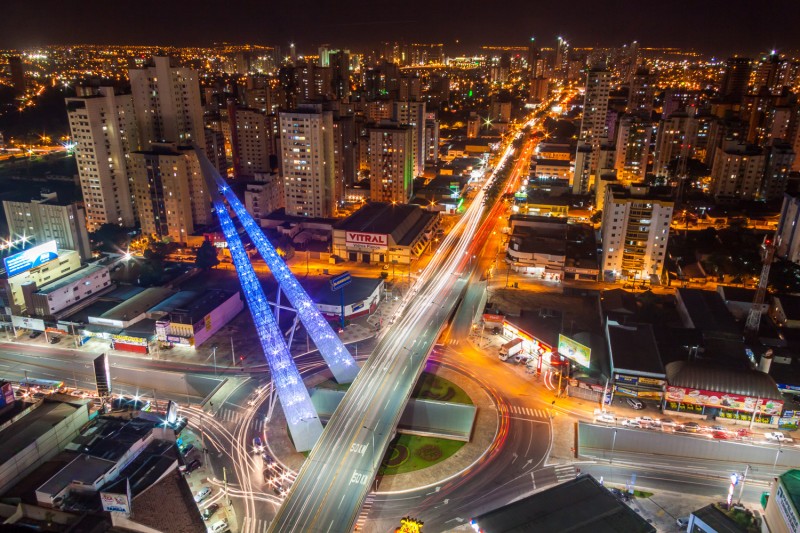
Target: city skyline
x=714, y=27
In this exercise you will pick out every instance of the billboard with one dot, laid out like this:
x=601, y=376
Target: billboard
x=114, y=502
x=6, y=394
x=172, y=412
x=574, y=351
x=30, y=258
x=366, y=241
x=36, y=324
x=102, y=376
x=722, y=400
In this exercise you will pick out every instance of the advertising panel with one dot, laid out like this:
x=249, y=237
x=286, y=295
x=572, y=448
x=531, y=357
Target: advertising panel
x=366, y=241
x=787, y=510
x=489, y=318
x=30, y=258
x=36, y=324
x=724, y=401
x=126, y=339
x=102, y=376
x=119, y=503
x=574, y=351
x=6, y=394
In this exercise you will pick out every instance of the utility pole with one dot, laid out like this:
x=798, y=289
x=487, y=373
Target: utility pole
x=754, y=317
x=233, y=354
x=741, y=486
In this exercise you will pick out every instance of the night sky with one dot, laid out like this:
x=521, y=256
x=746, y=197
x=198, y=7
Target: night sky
x=712, y=26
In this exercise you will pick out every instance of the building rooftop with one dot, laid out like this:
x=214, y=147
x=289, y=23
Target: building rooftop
x=541, y=325
x=403, y=222
x=713, y=378
x=358, y=290
x=137, y=305
x=84, y=469
x=634, y=348
x=707, y=312
x=791, y=485
x=110, y=437
x=578, y=505
x=25, y=431
x=189, y=307
x=790, y=305
x=168, y=506
x=730, y=293
x=70, y=279
x=719, y=521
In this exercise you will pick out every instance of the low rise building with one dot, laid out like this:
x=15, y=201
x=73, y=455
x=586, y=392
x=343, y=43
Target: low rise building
x=636, y=367
x=385, y=233
x=783, y=505
x=63, y=263
x=51, y=299
x=191, y=318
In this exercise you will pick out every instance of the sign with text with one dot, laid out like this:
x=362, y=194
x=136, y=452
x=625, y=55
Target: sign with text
x=35, y=324
x=366, y=241
x=574, y=351
x=340, y=281
x=723, y=401
x=30, y=258
x=118, y=503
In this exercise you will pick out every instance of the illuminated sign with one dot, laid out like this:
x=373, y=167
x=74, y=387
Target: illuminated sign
x=126, y=339
x=30, y=258
x=574, y=351
x=366, y=241
x=410, y=525
x=119, y=503
x=172, y=412
x=722, y=400
x=787, y=510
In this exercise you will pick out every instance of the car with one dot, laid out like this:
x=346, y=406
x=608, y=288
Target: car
x=646, y=420
x=635, y=403
x=630, y=422
x=34, y=334
x=55, y=340
x=258, y=444
x=202, y=494
x=605, y=417
x=683, y=522
x=218, y=526
x=719, y=428
x=722, y=435
x=194, y=465
x=777, y=436
x=209, y=511
x=666, y=422
x=691, y=427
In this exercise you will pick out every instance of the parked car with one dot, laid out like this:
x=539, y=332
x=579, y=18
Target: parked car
x=218, y=526
x=34, y=334
x=635, y=403
x=194, y=465
x=209, y=511
x=202, y=494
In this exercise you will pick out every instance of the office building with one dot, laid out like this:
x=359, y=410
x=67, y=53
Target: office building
x=391, y=163
x=167, y=103
x=307, y=162
x=594, y=128
x=250, y=141
x=635, y=231
x=171, y=195
x=49, y=221
x=103, y=128
x=737, y=171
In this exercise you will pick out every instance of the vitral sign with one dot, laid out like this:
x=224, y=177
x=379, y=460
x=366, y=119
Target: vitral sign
x=366, y=241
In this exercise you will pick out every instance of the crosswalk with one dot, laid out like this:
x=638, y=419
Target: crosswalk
x=365, y=509
x=234, y=417
x=527, y=411
x=453, y=342
x=254, y=525
x=564, y=472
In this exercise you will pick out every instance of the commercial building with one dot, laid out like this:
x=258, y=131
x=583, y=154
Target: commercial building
x=167, y=103
x=307, y=162
x=361, y=297
x=634, y=232
x=171, y=196
x=133, y=309
x=103, y=128
x=49, y=300
x=190, y=318
x=783, y=505
x=48, y=220
x=385, y=233
x=29, y=272
x=391, y=163
x=636, y=368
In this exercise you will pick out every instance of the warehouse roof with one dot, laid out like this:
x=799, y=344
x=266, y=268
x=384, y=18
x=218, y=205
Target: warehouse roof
x=634, y=348
x=403, y=222
x=722, y=379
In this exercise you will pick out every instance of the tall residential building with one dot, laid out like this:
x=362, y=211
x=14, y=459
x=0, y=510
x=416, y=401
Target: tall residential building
x=736, y=79
x=264, y=195
x=391, y=163
x=17, y=72
x=789, y=229
x=413, y=114
x=635, y=231
x=737, y=171
x=634, y=136
x=674, y=143
x=250, y=141
x=50, y=220
x=171, y=195
x=431, y=137
x=780, y=158
x=641, y=94
x=103, y=128
x=307, y=162
x=594, y=128
x=167, y=103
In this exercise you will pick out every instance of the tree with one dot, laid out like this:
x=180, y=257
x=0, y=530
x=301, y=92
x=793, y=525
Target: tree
x=152, y=269
x=206, y=258
x=111, y=238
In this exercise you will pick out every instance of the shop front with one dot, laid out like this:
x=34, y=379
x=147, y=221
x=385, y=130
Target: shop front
x=532, y=346
x=722, y=405
x=127, y=343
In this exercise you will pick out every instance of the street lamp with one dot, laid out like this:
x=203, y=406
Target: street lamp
x=374, y=454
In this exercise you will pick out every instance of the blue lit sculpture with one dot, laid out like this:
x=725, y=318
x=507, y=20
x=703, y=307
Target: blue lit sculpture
x=339, y=360
x=304, y=424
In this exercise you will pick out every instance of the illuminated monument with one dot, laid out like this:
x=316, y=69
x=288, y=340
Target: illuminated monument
x=304, y=424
